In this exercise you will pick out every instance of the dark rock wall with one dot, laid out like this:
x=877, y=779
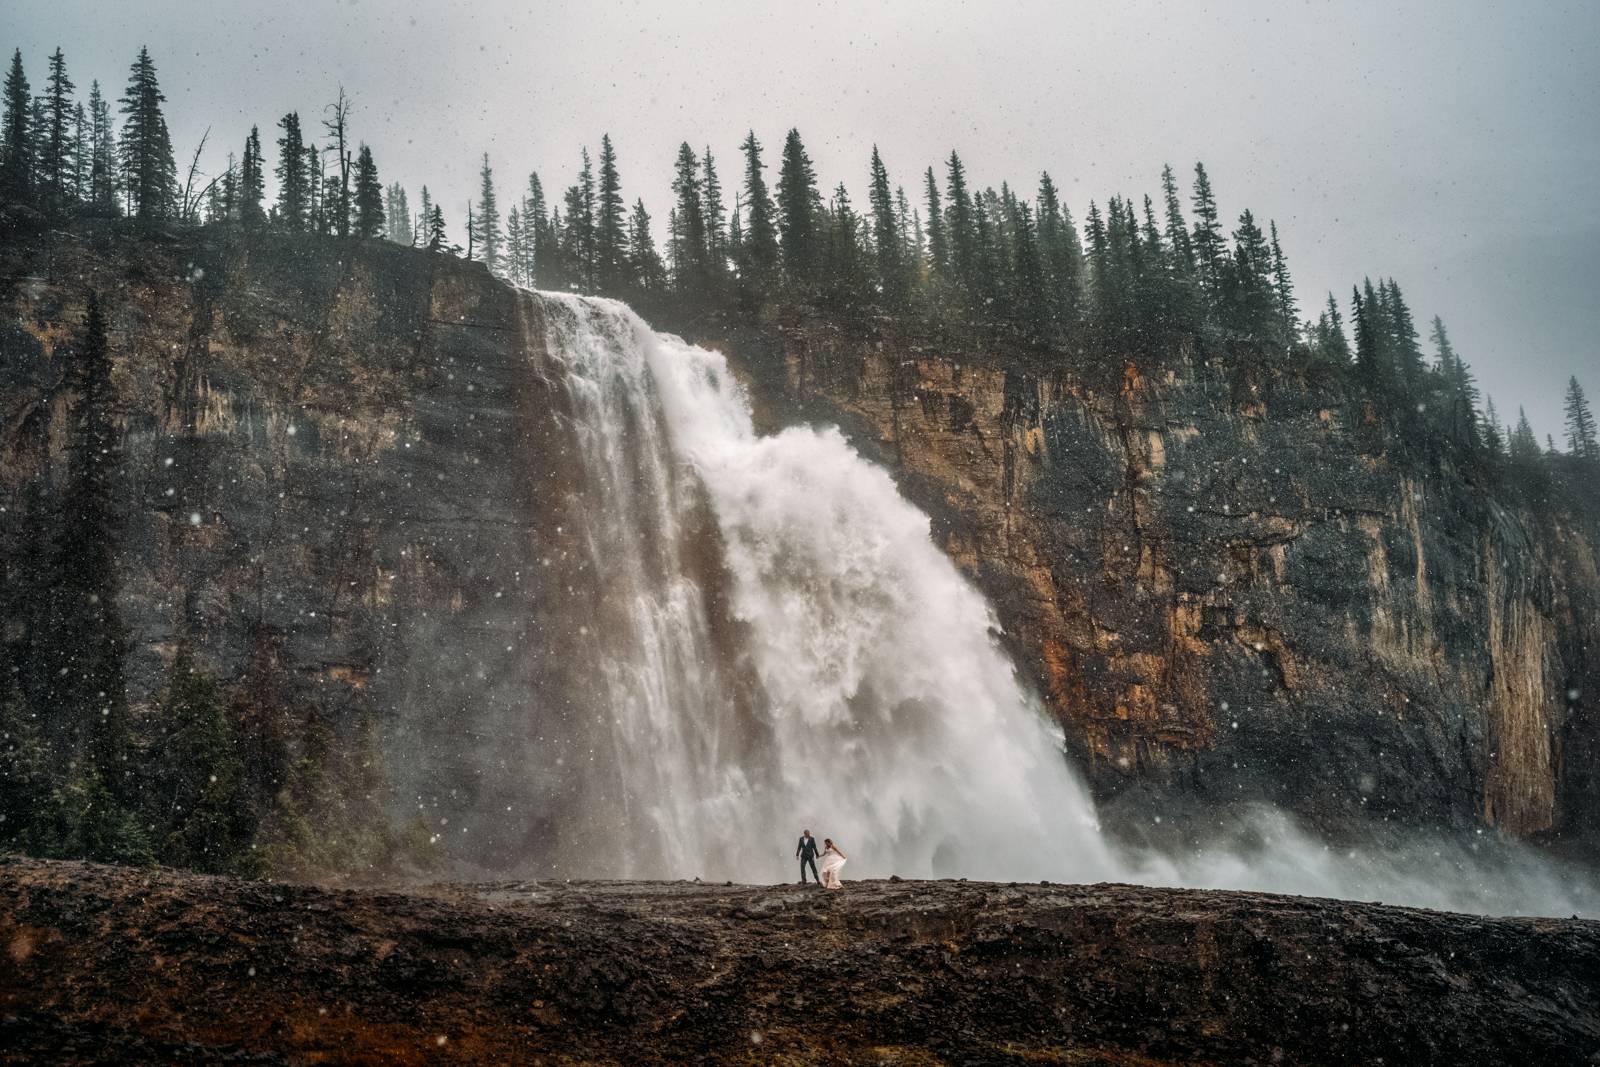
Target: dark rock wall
x=348, y=483
x=335, y=462
x=1232, y=585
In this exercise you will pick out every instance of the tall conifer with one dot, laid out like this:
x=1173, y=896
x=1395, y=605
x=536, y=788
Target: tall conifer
x=487, y=221
x=886, y=236
x=611, y=224
x=56, y=145
x=252, y=182
x=150, y=174
x=798, y=207
x=1582, y=438
x=16, y=135
x=293, y=186
x=102, y=155
x=758, y=269
x=368, y=196
x=1207, y=241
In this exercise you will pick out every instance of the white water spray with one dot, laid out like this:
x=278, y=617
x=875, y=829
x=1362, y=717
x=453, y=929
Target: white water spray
x=885, y=714
x=892, y=721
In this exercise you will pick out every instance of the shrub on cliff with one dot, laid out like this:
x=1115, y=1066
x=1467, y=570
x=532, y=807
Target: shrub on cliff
x=193, y=774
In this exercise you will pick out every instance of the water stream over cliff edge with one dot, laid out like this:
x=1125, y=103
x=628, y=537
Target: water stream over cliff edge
x=766, y=638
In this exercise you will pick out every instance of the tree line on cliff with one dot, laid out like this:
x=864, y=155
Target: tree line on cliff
x=1139, y=278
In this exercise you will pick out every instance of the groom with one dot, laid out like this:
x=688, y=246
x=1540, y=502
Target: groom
x=806, y=850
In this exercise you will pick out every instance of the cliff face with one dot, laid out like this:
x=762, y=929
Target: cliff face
x=1227, y=585
x=348, y=486
x=336, y=465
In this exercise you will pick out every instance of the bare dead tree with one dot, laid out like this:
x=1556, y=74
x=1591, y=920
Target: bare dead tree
x=190, y=201
x=338, y=127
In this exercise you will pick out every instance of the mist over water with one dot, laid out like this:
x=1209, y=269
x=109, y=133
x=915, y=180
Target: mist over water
x=861, y=691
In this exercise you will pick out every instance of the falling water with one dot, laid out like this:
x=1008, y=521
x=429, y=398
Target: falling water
x=887, y=716
x=774, y=642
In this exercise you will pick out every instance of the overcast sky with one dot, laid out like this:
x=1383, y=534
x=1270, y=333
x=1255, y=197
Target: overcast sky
x=1452, y=145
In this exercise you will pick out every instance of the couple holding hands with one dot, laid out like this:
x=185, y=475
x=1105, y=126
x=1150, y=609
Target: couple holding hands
x=832, y=859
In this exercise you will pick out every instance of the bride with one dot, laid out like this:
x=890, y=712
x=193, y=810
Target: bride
x=832, y=860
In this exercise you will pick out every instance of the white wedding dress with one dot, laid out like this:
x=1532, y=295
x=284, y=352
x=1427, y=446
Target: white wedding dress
x=831, y=862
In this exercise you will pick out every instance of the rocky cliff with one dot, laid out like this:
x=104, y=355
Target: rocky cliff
x=108, y=965
x=348, y=487
x=1235, y=583
x=337, y=471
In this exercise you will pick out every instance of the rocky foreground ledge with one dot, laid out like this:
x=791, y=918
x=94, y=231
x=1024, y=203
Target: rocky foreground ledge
x=112, y=965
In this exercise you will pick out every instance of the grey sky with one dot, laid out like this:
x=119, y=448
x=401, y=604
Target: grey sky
x=1451, y=145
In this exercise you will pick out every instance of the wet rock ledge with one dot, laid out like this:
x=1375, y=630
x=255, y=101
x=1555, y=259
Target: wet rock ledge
x=113, y=965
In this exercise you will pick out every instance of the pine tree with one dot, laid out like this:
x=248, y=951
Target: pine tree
x=425, y=216
x=736, y=232
x=887, y=237
x=1525, y=451
x=1582, y=438
x=960, y=226
x=689, y=231
x=1030, y=309
x=938, y=243
x=1332, y=344
x=150, y=174
x=1494, y=438
x=574, y=251
x=220, y=197
x=397, y=215
x=1374, y=340
x=293, y=184
x=516, y=250
x=798, y=207
x=55, y=141
x=581, y=223
x=1061, y=260
x=194, y=773
x=16, y=138
x=487, y=223
x=844, y=262
x=1249, y=301
x=316, y=187
x=1459, y=393
x=758, y=268
x=1207, y=241
x=1157, y=283
x=715, y=215
x=79, y=178
x=86, y=640
x=987, y=273
x=102, y=155
x=542, y=243
x=368, y=196
x=437, y=241
x=610, y=233
x=1179, y=241
x=1283, y=291
x=910, y=234
x=1406, y=348
x=252, y=182
x=649, y=273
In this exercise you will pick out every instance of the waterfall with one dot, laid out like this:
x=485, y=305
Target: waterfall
x=757, y=635
x=879, y=709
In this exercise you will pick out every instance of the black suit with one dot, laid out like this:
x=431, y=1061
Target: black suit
x=807, y=851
